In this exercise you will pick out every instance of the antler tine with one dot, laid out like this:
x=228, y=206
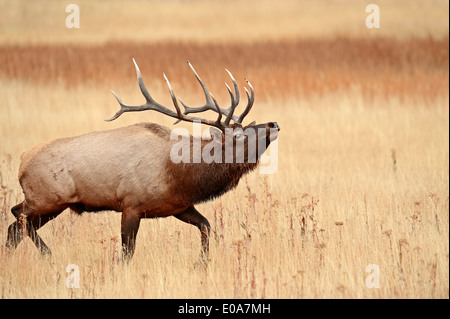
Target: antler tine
x=144, y=91
x=209, y=105
x=150, y=104
x=119, y=112
x=174, y=98
x=236, y=88
x=251, y=100
x=219, y=111
x=227, y=121
x=183, y=117
x=234, y=101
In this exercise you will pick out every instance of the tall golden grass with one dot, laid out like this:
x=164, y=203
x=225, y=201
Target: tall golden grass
x=380, y=168
x=363, y=172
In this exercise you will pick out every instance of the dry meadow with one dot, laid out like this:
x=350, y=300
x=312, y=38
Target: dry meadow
x=363, y=151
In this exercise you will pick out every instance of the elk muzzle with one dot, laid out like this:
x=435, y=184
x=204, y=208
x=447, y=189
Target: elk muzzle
x=272, y=131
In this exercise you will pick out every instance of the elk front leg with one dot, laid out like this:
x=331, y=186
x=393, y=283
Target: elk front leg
x=192, y=216
x=129, y=229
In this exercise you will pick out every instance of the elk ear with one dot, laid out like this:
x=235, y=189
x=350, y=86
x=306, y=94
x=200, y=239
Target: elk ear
x=252, y=123
x=215, y=134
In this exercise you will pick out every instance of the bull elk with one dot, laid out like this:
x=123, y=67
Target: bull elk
x=129, y=170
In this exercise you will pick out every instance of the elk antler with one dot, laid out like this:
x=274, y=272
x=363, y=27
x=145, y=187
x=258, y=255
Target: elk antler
x=234, y=100
x=211, y=103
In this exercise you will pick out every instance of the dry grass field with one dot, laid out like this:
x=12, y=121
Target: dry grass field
x=363, y=151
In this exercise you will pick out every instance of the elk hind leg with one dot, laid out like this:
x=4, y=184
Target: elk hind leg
x=34, y=225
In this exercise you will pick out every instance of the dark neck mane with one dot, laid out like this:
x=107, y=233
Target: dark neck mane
x=194, y=183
